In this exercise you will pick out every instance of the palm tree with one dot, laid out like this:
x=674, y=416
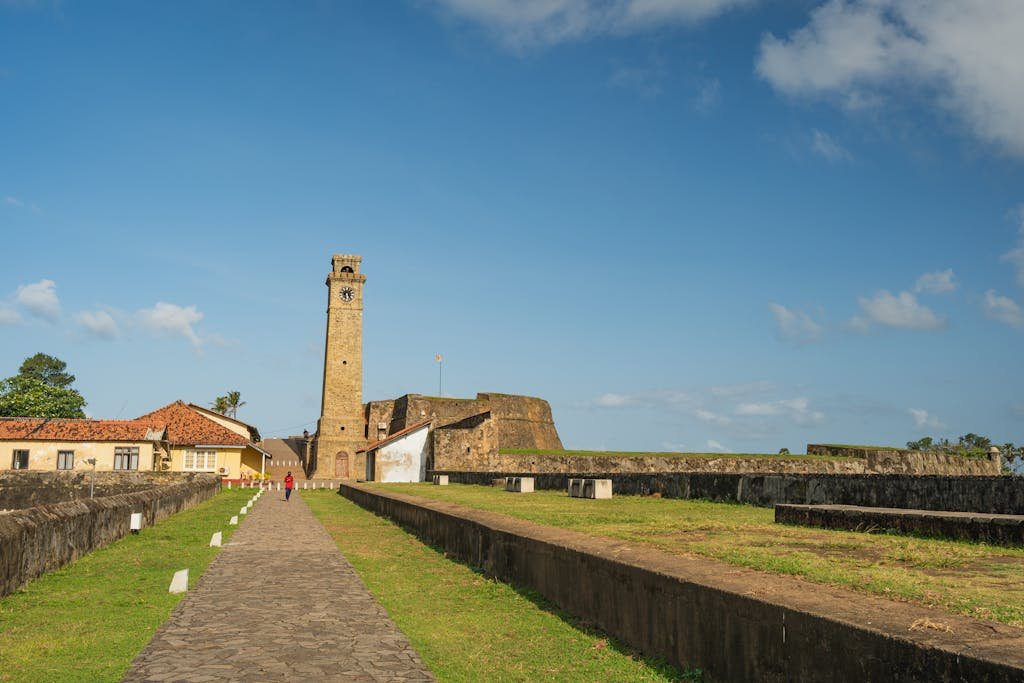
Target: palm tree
x=220, y=405
x=234, y=402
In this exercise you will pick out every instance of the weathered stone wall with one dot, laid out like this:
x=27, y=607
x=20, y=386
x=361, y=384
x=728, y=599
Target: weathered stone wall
x=40, y=539
x=970, y=526
x=903, y=461
x=24, y=488
x=471, y=443
x=996, y=495
x=927, y=463
x=520, y=421
x=694, y=615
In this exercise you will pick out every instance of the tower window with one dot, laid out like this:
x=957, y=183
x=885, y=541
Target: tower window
x=346, y=269
x=343, y=428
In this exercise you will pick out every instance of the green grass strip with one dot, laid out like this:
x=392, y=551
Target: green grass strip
x=88, y=620
x=468, y=627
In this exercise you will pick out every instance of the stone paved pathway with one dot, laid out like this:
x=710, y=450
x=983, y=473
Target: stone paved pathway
x=279, y=603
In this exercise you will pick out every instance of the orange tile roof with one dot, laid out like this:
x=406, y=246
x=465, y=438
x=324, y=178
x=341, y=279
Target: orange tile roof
x=187, y=427
x=62, y=429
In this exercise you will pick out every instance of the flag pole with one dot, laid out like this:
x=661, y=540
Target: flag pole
x=440, y=365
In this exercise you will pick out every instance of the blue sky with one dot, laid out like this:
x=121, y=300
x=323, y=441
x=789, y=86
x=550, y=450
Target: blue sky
x=732, y=225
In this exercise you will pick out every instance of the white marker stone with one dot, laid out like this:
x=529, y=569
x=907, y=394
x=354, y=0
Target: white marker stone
x=136, y=522
x=229, y=486
x=179, y=584
x=215, y=540
x=243, y=511
x=234, y=520
x=303, y=486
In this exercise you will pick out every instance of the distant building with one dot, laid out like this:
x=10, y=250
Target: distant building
x=179, y=437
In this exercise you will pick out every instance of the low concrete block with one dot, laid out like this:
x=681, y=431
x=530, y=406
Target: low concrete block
x=600, y=489
x=136, y=522
x=440, y=480
x=234, y=520
x=519, y=484
x=179, y=584
x=575, y=488
x=216, y=539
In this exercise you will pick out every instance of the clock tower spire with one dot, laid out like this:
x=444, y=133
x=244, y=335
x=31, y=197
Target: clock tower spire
x=340, y=430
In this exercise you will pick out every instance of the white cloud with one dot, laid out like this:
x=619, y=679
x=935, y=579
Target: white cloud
x=796, y=409
x=922, y=419
x=172, y=320
x=523, y=24
x=100, y=324
x=9, y=316
x=40, y=299
x=712, y=418
x=901, y=311
x=611, y=400
x=1003, y=308
x=716, y=446
x=795, y=326
x=939, y=282
x=826, y=147
x=13, y=201
x=1015, y=256
x=967, y=54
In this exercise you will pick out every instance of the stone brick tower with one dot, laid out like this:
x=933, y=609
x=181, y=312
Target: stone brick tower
x=340, y=431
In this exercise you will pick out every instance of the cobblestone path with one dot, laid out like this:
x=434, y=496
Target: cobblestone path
x=279, y=603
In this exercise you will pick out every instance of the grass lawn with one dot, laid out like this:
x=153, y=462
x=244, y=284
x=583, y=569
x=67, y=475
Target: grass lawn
x=655, y=454
x=974, y=579
x=88, y=620
x=466, y=626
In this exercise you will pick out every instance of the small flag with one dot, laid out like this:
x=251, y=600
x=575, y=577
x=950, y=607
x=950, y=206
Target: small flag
x=437, y=358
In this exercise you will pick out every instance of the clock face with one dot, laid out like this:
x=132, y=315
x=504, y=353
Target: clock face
x=347, y=294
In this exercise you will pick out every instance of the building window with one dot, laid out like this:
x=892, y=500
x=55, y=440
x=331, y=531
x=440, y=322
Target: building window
x=126, y=458
x=200, y=461
x=346, y=269
x=65, y=460
x=20, y=460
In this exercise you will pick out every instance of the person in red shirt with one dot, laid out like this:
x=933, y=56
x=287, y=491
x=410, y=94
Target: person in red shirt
x=289, y=482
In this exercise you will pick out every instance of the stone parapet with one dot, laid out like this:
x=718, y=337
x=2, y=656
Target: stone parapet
x=36, y=540
x=733, y=624
x=21, y=489
x=992, y=495
x=971, y=526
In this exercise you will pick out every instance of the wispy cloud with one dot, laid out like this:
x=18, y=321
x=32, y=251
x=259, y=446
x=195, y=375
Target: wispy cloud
x=8, y=315
x=795, y=326
x=713, y=418
x=901, y=311
x=796, y=409
x=13, y=201
x=939, y=282
x=828, y=148
x=967, y=54
x=1003, y=308
x=925, y=420
x=707, y=96
x=717, y=447
x=171, y=320
x=40, y=299
x=646, y=80
x=1015, y=256
x=98, y=323
x=531, y=24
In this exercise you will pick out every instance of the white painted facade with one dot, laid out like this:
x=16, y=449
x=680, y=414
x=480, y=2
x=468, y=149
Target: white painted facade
x=401, y=460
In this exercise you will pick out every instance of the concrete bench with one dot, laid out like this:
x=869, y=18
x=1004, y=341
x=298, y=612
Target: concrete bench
x=519, y=484
x=600, y=489
x=440, y=480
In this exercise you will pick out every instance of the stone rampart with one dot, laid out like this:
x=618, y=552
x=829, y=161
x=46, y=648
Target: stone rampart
x=995, y=495
x=21, y=489
x=903, y=461
x=695, y=615
x=915, y=463
x=39, y=539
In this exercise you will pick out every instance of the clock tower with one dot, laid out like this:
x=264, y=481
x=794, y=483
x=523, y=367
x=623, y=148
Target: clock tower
x=340, y=430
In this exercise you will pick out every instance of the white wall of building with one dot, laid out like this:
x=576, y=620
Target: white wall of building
x=402, y=460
